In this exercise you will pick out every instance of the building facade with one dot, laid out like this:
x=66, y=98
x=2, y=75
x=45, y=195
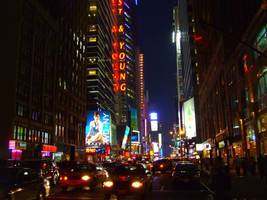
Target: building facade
x=41, y=123
x=124, y=69
x=231, y=60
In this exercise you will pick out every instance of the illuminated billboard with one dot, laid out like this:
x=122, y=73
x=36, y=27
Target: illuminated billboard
x=154, y=125
x=155, y=147
x=134, y=123
x=154, y=121
x=189, y=118
x=135, y=138
x=153, y=116
x=125, y=138
x=97, y=128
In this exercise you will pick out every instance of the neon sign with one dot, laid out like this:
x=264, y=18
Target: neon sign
x=118, y=54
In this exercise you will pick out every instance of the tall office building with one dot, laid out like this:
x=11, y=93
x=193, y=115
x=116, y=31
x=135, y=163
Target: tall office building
x=100, y=94
x=124, y=66
x=232, y=69
x=184, y=36
x=46, y=97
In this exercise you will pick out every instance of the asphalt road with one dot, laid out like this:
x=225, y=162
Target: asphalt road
x=162, y=189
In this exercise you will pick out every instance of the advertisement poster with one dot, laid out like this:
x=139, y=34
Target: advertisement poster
x=189, y=118
x=97, y=128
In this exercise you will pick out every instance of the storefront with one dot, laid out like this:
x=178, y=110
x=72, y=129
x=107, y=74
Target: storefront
x=16, y=148
x=64, y=152
x=237, y=149
x=97, y=154
x=251, y=140
x=48, y=151
x=262, y=127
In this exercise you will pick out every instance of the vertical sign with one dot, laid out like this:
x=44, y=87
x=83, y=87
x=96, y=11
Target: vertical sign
x=118, y=55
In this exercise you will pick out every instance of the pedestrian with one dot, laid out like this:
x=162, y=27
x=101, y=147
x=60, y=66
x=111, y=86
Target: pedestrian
x=237, y=163
x=221, y=182
x=244, y=166
x=261, y=166
x=252, y=166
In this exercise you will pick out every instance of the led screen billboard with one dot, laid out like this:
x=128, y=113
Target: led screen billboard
x=135, y=137
x=125, y=138
x=153, y=116
x=134, y=122
x=97, y=128
x=189, y=118
x=154, y=125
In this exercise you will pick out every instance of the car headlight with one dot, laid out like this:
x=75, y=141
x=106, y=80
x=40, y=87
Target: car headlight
x=137, y=184
x=108, y=184
x=85, y=178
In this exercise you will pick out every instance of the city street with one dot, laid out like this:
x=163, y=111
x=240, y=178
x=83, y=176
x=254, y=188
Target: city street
x=161, y=189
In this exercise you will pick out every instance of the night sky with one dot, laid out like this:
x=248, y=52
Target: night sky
x=154, y=30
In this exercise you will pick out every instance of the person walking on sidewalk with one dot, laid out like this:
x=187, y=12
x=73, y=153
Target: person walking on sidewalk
x=221, y=181
x=237, y=163
x=252, y=166
x=261, y=166
x=244, y=164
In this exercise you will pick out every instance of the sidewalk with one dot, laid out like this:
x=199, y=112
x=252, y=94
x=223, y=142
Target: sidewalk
x=248, y=187
x=243, y=187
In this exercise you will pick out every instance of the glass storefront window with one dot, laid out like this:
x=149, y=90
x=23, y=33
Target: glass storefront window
x=261, y=41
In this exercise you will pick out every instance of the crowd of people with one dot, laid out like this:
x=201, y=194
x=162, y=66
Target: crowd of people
x=220, y=173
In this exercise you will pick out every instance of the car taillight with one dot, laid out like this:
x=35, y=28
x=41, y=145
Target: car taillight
x=108, y=184
x=161, y=166
x=122, y=178
x=137, y=184
x=63, y=178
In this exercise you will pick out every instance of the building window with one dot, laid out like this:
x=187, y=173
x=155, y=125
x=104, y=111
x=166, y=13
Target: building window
x=93, y=8
x=92, y=39
x=261, y=40
x=92, y=28
x=20, y=110
x=59, y=82
x=15, y=132
x=92, y=72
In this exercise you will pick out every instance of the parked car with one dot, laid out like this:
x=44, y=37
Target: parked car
x=127, y=179
x=185, y=172
x=46, y=168
x=163, y=166
x=22, y=183
x=79, y=175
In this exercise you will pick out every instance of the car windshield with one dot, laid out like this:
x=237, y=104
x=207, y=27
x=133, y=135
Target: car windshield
x=185, y=167
x=85, y=167
x=129, y=169
x=33, y=164
x=66, y=165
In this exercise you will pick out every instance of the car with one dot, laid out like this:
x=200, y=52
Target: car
x=162, y=166
x=79, y=175
x=46, y=168
x=185, y=172
x=127, y=179
x=19, y=183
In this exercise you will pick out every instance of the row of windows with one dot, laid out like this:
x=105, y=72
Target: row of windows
x=31, y=135
x=59, y=130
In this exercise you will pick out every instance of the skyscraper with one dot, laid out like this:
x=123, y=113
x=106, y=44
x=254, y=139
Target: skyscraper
x=100, y=94
x=46, y=83
x=124, y=65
